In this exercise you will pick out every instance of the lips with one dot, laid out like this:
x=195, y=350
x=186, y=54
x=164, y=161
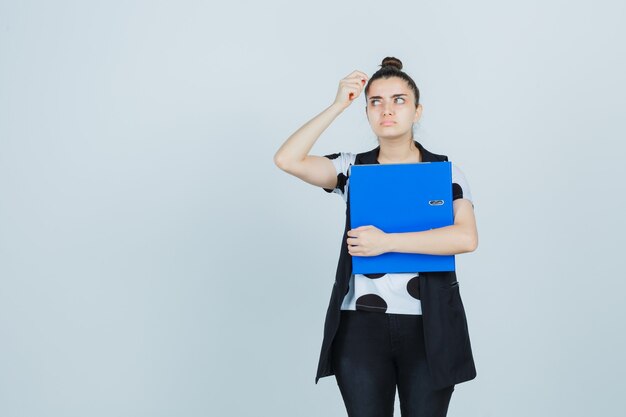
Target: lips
x=388, y=123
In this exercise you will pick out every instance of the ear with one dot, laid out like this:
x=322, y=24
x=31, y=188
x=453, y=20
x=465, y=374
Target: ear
x=418, y=113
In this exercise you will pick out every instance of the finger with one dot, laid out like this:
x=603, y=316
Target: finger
x=363, y=82
x=352, y=89
x=353, y=86
x=354, y=94
x=358, y=82
x=354, y=82
x=357, y=74
x=360, y=76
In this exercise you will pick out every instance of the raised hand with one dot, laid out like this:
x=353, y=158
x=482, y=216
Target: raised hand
x=350, y=88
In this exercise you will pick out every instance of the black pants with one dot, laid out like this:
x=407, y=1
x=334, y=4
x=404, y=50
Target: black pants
x=373, y=353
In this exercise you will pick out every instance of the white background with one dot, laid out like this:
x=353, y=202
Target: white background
x=155, y=262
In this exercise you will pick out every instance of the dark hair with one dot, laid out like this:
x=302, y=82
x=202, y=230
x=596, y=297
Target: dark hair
x=392, y=67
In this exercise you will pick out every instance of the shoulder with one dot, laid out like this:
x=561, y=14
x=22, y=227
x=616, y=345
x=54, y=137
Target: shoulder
x=456, y=170
x=341, y=155
x=342, y=161
x=460, y=185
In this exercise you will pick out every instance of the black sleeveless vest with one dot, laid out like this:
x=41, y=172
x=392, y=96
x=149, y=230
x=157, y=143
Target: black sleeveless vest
x=446, y=336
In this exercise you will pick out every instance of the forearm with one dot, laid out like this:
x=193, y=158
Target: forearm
x=449, y=240
x=299, y=144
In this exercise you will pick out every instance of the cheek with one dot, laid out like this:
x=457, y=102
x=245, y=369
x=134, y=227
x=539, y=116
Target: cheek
x=408, y=114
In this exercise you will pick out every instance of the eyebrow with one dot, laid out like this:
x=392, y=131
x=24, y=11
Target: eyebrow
x=395, y=95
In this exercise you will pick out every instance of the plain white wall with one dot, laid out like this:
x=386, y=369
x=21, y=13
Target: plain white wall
x=154, y=261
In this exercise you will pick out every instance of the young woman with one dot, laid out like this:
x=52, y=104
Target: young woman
x=384, y=331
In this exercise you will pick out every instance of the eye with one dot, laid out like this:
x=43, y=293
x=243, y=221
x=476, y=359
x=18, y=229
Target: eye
x=400, y=98
x=374, y=101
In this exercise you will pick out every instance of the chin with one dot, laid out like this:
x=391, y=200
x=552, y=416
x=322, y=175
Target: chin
x=392, y=138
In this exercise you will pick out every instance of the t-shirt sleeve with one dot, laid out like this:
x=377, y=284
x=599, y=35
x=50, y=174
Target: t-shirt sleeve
x=342, y=162
x=460, y=186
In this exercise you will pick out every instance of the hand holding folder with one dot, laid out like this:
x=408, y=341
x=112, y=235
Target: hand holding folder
x=400, y=198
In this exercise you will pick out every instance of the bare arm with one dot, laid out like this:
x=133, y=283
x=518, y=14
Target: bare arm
x=293, y=156
x=458, y=238
x=461, y=237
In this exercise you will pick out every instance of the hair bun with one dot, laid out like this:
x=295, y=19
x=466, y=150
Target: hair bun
x=392, y=62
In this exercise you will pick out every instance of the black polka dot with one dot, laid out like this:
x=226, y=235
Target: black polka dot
x=374, y=276
x=341, y=182
x=371, y=302
x=457, y=191
x=332, y=156
x=413, y=287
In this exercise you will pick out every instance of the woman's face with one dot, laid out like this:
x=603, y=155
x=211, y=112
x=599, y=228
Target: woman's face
x=391, y=109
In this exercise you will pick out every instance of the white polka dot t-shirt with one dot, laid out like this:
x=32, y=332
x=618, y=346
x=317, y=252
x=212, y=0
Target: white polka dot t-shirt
x=395, y=293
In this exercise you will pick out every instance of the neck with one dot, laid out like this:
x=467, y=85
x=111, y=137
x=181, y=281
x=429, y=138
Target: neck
x=398, y=151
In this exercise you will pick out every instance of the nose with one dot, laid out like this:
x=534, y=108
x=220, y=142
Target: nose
x=387, y=110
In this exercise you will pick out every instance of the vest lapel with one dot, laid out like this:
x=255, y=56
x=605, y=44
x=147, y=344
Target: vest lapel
x=371, y=157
